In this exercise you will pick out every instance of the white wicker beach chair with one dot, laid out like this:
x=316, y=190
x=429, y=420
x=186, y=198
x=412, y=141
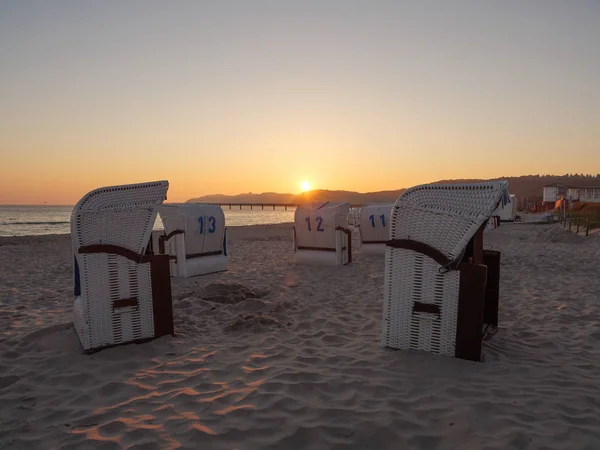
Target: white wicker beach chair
x=507, y=212
x=441, y=286
x=321, y=235
x=121, y=294
x=196, y=235
x=373, y=228
x=353, y=216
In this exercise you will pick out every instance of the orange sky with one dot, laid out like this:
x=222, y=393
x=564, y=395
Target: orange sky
x=236, y=98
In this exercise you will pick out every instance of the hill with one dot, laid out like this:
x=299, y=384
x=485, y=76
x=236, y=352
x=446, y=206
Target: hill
x=527, y=187
x=320, y=195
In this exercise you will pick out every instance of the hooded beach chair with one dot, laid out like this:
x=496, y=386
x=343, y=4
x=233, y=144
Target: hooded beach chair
x=441, y=286
x=353, y=216
x=122, y=294
x=195, y=235
x=373, y=228
x=321, y=235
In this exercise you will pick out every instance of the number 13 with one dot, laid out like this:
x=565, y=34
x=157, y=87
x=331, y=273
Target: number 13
x=212, y=225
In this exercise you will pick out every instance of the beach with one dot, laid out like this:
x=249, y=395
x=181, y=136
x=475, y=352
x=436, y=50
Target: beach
x=271, y=355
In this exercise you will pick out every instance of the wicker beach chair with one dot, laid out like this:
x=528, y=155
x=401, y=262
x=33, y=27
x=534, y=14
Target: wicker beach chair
x=373, y=228
x=195, y=235
x=353, y=216
x=122, y=294
x=321, y=235
x=441, y=286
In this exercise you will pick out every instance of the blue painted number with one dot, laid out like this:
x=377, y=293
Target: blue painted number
x=381, y=217
x=319, y=223
x=212, y=225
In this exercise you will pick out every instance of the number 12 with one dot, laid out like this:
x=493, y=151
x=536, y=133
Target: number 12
x=319, y=223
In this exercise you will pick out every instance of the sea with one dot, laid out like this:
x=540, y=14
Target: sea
x=38, y=220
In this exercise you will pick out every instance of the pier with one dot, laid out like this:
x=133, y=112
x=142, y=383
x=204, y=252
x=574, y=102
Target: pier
x=285, y=206
x=262, y=206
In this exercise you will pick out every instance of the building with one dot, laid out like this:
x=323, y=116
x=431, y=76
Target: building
x=588, y=194
x=555, y=192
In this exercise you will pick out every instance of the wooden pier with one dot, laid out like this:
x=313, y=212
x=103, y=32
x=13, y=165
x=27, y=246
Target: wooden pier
x=285, y=206
x=261, y=206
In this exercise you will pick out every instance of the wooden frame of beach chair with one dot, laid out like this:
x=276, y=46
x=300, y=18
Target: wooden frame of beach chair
x=321, y=235
x=122, y=294
x=195, y=235
x=373, y=228
x=441, y=288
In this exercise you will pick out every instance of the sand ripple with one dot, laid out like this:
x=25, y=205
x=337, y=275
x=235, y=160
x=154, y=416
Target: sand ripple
x=314, y=375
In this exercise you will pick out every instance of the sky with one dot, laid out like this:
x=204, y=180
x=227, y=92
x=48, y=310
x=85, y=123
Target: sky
x=257, y=96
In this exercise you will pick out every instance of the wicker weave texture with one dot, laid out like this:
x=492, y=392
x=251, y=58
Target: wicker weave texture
x=445, y=217
x=117, y=215
x=414, y=277
x=123, y=216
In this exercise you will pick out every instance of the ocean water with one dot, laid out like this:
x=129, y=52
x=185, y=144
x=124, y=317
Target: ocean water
x=36, y=220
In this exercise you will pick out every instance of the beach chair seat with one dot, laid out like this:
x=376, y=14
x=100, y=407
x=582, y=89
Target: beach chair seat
x=321, y=235
x=373, y=228
x=122, y=294
x=195, y=235
x=441, y=288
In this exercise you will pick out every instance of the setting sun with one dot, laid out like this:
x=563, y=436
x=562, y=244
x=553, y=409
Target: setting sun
x=305, y=185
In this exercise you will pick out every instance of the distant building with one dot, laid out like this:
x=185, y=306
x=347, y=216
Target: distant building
x=584, y=194
x=556, y=192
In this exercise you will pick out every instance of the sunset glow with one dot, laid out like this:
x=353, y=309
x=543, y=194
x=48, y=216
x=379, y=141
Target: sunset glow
x=253, y=97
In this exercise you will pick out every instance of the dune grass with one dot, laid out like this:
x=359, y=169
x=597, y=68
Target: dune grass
x=584, y=211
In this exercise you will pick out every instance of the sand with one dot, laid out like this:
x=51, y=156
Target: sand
x=273, y=356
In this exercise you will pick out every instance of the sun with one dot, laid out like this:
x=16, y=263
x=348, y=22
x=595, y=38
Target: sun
x=305, y=185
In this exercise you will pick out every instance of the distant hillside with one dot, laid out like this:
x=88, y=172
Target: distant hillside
x=265, y=197
x=527, y=186
x=355, y=198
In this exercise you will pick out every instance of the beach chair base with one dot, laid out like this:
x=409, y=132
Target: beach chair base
x=123, y=317
x=457, y=325
x=185, y=266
